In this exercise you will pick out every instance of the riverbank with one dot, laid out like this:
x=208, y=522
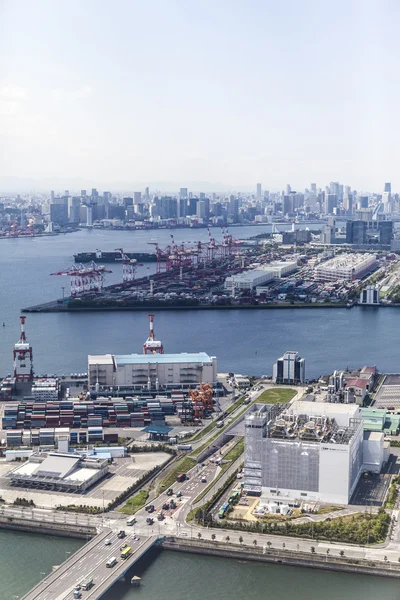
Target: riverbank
x=49, y=308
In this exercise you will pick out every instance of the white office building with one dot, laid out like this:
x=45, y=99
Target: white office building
x=310, y=452
x=152, y=370
x=290, y=368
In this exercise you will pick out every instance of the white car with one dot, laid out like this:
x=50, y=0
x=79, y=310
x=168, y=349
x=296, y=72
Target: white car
x=107, y=542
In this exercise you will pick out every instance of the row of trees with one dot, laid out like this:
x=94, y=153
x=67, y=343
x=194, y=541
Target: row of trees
x=357, y=529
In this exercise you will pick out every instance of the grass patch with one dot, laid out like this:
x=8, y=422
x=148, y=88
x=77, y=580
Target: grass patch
x=276, y=396
x=327, y=509
x=135, y=503
x=182, y=466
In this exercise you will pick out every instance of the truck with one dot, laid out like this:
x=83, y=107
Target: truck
x=111, y=562
x=181, y=477
x=87, y=583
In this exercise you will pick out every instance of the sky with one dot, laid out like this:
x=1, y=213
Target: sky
x=222, y=91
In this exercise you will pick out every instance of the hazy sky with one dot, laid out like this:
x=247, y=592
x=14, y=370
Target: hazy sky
x=235, y=92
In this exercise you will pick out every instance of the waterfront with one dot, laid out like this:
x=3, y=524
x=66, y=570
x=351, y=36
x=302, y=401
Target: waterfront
x=25, y=556
x=188, y=577
x=244, y=341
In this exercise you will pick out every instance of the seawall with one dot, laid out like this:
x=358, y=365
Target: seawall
x=283, y=557
x=58, y=529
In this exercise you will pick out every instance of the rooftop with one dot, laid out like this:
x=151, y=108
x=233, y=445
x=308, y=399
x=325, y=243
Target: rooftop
x=356, y=382
x=139, y=359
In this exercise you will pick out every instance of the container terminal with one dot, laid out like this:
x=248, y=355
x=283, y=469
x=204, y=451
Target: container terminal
x=232, y=273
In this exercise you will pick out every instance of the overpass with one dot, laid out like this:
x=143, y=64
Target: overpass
x=90, y=563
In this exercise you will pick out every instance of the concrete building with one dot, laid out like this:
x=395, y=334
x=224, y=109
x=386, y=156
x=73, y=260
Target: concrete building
x=369, y=296
x=249, y=280
x=152, y=370
x=290, y=368
x=60, y=472
x=347, y=267
x=310, y=452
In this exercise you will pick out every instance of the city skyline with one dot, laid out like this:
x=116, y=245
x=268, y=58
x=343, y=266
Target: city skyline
x=212, y=93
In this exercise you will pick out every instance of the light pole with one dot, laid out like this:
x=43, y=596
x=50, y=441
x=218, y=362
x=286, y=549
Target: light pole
x=42, y=575
x=67, y=554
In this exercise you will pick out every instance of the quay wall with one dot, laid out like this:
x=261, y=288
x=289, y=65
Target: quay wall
x=284, y=557
x=81, y=532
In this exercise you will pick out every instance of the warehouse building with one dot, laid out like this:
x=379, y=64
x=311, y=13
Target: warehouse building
x=310, y=452
x=346, y=267
x=59, y=472
x=152, y=370
x=249, y=280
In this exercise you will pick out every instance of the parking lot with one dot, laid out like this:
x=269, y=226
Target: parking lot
x=123, y=473
x=388, y=396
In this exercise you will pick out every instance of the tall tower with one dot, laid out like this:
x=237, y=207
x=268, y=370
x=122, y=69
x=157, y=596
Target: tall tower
x=22, y=355
x=151, y=344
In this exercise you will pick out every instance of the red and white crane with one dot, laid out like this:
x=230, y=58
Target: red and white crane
x=128, y=266
x=152, y=345
x=85, y=278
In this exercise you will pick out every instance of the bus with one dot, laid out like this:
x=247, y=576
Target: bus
x=126, y=552
x=131, y=521
x=222, y=510
x=110, y=563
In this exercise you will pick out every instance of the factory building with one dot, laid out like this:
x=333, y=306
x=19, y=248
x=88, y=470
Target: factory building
x=346, y=267
x=153, y=370
x=290, y=368
x=61, y=472
x=309, y=452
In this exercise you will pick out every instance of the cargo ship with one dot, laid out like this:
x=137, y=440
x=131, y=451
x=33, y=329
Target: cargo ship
x=107, y=257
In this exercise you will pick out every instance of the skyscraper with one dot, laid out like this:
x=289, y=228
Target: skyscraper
x=259, y=190
x=388, y=187
x=183, y=193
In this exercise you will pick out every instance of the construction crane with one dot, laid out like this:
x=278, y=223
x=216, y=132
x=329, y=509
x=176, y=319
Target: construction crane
x=202, y=400
x=85, y=278
x=152, y=345
x=128, y=266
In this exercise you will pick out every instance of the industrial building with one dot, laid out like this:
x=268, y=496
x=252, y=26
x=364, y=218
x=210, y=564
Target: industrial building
x=347, y=267
x=60, y=472
x=309, y=452
x=290, y=368
x=248, y=280
x=369, y=296
x=153, y=371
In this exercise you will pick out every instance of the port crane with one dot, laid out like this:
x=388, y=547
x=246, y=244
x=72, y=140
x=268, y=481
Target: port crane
x=85, y=278
x=152, y=345
x=128, y=266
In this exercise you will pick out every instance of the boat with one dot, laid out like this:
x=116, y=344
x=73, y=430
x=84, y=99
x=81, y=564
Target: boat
x=107, y=257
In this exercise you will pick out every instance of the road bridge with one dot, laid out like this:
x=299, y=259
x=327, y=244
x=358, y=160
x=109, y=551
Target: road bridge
x=90, y=563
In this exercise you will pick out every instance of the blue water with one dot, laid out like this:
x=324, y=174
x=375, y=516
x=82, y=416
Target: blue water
x=244, y=341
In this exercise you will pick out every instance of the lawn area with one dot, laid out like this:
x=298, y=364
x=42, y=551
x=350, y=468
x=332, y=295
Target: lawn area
x=276, y=396
x=135, y=503
x=182, y=466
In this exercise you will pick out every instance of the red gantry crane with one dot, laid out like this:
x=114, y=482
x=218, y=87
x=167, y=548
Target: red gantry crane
x=152, y=345
x=85, y=278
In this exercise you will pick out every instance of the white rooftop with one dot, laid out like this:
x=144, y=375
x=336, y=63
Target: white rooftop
x=83, y=474
x=27, y=468
x=100, y=359
x=139, y=359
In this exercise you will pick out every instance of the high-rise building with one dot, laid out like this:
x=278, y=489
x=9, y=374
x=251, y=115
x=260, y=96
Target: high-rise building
x=385, y=232
x=330, y=203
x=59, y=211
x=183, y=193
x=288, y=189
x=356, y=232
x=290, y=368
x=201, y=209
x=137, y=197
x=363, y=202
x=127, y=201
x=348, y=203
x=259, y=190
x=388, y=187
x=313, y=188
x=74, y=207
